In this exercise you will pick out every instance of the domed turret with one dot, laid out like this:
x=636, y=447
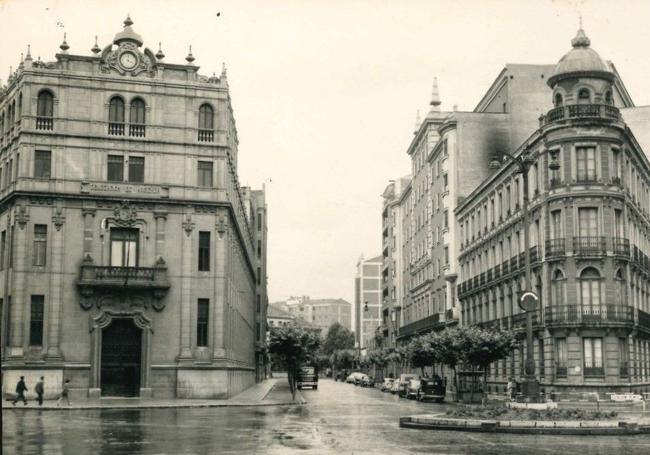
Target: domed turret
x=128, y=34
x=581, y=61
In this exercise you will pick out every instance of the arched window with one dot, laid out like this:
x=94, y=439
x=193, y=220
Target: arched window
x=206, y=123
x=590, y=291
x=558, y=99
x=116, y=116
x=608, y=98
x=137, y=118
x=558, y=285
x=44, y=110
x=584, y=97
x=20, y=106
x=13, y=113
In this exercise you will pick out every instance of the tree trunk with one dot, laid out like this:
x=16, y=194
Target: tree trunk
x=485, y=386
x=291, y=374
x=455, y=382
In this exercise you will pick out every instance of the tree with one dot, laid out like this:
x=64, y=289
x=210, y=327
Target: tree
x=449, y=346
x=483, y=347
x=337, y=338
x=380, y=358
x=292, y=347
x=421, y=352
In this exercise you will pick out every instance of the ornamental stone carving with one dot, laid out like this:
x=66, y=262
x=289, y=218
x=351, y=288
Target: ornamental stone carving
x=125, y=214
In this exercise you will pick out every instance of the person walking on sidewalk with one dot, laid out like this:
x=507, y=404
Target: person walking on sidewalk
x=510, y=388
x=39, y=389
x=21, y=388
x=64, y=393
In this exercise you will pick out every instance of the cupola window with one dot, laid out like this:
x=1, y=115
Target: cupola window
x=584, y=97
x=137, y=118
x=608, y=98
x=116, y=116
x=44, y=111
x=206, y=123
x=558, y=99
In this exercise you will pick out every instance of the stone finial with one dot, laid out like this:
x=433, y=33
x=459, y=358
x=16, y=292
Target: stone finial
x=581, y=39
x=28, y=57
x=224, y=72
x=418, y=122
x=95, y=49
x=64, y=45
x=435, y=96
x=128, y=22
x=190, y=58
x=160, y=54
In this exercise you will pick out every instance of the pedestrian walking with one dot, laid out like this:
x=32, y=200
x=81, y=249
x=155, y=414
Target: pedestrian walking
x=64, y=393
x=510, y=388
x=21, y=388
x=39, y=389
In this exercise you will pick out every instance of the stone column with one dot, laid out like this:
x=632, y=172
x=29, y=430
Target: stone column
x=221, y=267
x=145, y=374
x=55, y=299
x=88, y=215
x=94, y=390
x=186, y=291
x=20, y=304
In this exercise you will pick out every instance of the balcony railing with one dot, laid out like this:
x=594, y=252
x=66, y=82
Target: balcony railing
x=596, y=372
x=589, y=246
x=580, y=111
x=555, y=182
x=206, y=135
x=621, y=246
x=589, y=315
x=560, y=371
x=44, y=123
x=116, y=129
x=423, y=325
x=555, y=248
x=124, y=273
x=137, y=130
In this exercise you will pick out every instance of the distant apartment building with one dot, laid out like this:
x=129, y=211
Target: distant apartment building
x=277, y=316
x=367, y=300
x=589, y=204
x=318, y=313
x=392, y=260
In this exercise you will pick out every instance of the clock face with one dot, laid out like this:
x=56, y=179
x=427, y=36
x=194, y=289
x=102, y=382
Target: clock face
x=128, y=60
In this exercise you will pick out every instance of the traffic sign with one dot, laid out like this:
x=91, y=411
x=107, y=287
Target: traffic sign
x=528, y=301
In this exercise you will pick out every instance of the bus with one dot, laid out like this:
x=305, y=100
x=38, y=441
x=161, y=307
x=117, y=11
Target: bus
x=307, y=377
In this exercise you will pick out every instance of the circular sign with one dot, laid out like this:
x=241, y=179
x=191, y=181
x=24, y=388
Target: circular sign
x=528, y=301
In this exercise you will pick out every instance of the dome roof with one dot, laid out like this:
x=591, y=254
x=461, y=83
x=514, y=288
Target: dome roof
x=581, y=59
x=128, y=34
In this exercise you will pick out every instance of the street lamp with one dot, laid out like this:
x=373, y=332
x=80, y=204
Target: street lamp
x=365, y=310
x=528, y=300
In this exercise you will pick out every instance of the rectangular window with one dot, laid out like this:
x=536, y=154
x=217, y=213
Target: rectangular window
x=115, y=168
x=541, y=358
x=260, y=219
x=124, y=247
x=588, y=221
x=560, y=357
x=9, y=169
x=586, y=164
x=623, y=356
x=40, y=244
x=259, y=275
x=202, y=314
x=3, y=245
x=205, y=174
x=556, y=224
x=204, y=251
x=42, y=164
x=618, y=223
x=446, y=255
x=445, y=219
x=36, y=321
x=616, y=164
x=136, y=169
x=11, y=246
x=259, y=303
x=593, y=356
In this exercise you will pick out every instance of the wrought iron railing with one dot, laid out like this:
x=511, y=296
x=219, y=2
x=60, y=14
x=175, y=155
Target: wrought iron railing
x=594, y=372
x=560, y=371
x=587, y=246
x=621, y=246
x=555, y=248
x=588, y=314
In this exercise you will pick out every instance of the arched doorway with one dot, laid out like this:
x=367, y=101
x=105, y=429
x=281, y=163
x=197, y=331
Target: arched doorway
x=121, y=358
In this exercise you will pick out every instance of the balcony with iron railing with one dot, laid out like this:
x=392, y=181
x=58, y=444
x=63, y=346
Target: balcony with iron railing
x=581, y=111
x=555, y=248
x=589, y=315
x=561, y=371
x=621, y=246
x=589, y=246
x=426, y=324
x=594, y=372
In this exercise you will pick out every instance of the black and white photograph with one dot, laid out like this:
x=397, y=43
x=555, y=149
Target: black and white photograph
x=314, y=227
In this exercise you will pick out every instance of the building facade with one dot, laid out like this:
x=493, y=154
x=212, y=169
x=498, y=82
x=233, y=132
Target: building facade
x=589, y=204
x=319, y=313
x=133, y=263
x=367, y=300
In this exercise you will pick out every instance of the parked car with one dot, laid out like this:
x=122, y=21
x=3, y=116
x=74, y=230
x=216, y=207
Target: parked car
x=413, y=388
x=404, y=382
x=354, y=377
x=432, y=389
x=394, y=388
x=367, y=381
x=387, y=385
x=358, y=380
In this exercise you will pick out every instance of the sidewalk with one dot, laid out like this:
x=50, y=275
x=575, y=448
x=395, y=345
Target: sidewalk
x=256, y=395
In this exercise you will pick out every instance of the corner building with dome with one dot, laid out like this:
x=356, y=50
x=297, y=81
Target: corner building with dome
x=132, y=261
x=589, y=205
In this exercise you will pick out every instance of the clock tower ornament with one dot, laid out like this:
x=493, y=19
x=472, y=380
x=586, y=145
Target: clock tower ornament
x=127, y=58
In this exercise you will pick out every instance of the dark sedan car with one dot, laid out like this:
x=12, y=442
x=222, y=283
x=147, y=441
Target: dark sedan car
x=432, y=389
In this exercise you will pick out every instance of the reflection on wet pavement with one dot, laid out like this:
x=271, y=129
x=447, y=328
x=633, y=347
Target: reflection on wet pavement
x=338, y=419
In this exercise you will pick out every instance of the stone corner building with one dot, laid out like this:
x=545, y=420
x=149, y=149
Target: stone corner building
x=131, y=260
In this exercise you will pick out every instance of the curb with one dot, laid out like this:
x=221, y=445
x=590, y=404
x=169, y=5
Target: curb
x=493, y=426
x=153, y=406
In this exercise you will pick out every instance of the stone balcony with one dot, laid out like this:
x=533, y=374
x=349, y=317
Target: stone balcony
x=581, y=112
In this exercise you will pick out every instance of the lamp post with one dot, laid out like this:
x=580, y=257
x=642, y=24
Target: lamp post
x=528, y=300
x=365, y=310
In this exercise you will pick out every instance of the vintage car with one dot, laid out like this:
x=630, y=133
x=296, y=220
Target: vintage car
x=367, y=381
x=404, y=382
x=432, y=389
x=395, y=387
x=413, y=388
x=354, y=378
x=387, y=385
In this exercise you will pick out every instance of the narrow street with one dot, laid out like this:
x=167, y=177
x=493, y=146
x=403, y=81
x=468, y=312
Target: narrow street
x=338, y=419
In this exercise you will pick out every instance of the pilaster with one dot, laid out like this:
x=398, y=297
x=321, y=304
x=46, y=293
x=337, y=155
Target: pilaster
x=186, y=291
x=55, y=299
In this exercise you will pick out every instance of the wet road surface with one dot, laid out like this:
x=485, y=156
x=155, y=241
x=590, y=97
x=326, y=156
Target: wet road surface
x=338, y=419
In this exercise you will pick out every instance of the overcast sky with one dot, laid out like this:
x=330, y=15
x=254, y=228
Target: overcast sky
x=325, y=92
